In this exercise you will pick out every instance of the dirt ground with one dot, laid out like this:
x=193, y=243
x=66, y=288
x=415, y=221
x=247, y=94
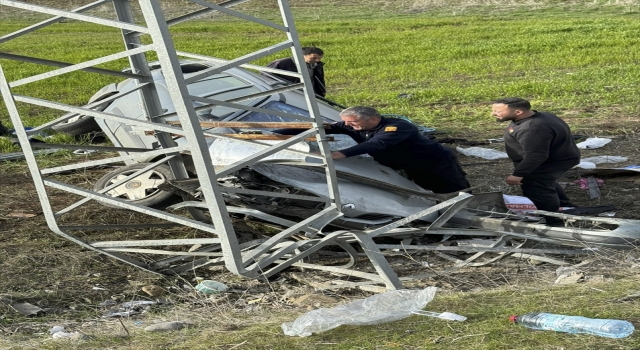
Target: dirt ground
x=71, y=283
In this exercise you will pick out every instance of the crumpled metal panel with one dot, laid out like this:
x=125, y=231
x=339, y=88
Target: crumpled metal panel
x=359, y=198
x=226, y=151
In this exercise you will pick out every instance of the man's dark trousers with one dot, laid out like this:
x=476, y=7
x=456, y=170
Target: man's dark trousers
x=445, y=176
x=544, y=191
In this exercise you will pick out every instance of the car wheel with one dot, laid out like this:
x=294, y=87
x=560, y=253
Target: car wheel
x=141, y=190
x=77, y=126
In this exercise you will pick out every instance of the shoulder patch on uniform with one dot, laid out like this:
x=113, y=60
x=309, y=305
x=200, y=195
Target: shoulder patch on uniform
x=391, y=128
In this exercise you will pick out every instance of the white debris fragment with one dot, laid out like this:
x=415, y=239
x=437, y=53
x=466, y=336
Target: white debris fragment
x=604, y=159
x=593, y=142
x=591, y=162
x=486, y=153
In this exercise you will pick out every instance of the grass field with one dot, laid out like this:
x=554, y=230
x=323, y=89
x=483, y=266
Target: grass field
x=578, y=59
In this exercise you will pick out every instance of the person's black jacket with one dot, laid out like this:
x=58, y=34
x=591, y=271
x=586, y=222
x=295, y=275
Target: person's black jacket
x=540, y=143
x=317, y=74
x=395, y=143
x=398, y=144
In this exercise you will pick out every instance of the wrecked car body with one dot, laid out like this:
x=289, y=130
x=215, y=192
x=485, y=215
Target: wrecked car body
x=373, y=195
x=376, y=201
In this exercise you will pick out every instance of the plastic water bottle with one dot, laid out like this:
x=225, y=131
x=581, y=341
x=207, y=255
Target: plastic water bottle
x=575, y=324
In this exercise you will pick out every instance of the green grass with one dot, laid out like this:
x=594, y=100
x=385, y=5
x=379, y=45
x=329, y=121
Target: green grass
x=578, y=63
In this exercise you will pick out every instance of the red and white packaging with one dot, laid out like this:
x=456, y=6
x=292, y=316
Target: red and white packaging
x=521, y=205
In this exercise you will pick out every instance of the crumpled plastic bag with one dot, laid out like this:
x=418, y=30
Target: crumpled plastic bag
x=604, y=159
x=593, y=142
x=386, y=307
x=585, y=165
x=59, y=332
x=486, y=153
x=591, y=162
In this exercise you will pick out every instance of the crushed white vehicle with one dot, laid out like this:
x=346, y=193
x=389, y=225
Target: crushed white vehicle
x=192, y=128
x=291, y=185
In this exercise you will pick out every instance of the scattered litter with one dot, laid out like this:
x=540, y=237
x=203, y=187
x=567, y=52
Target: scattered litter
x=593, y=142
x=485, y=153
x=27, y=309
x=591, y=162
x=56, y=329
x=99, y=288
x=604, y=159
x=58, y=332
x=584, y=183
x=568, y=275
x=153, y=290
x=129, y=308
x=121, y=313
x=84, y=151
x=585, y=165
x=607, y=214
x=386, y=307
x=498, y=140
x=211, y=287
x=575, y=324
x=165, y=326
x=449, y=316
x=130, y=304
x=522, y=205
x=20, y=215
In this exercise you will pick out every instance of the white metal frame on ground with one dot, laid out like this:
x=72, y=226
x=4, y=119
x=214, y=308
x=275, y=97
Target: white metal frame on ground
x=259, y=259
x=215, y=241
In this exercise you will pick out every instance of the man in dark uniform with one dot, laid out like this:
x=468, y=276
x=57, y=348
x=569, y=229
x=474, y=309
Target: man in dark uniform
x=542, y=150
x=312, y=57
x=398, y=144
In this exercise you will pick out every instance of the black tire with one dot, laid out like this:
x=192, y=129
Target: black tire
x=82, y=126
x=142, y=190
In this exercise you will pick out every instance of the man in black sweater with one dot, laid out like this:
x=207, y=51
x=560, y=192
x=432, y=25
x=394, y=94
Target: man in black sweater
x=398, y=144
x=542, y=150
x=312, y=57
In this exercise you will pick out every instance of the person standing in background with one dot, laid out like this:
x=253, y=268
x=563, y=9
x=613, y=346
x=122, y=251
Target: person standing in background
x=313, y=59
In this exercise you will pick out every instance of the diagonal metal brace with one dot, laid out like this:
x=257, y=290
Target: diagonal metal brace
x=462, y=197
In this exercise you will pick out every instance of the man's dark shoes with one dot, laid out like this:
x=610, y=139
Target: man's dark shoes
x=553, y=221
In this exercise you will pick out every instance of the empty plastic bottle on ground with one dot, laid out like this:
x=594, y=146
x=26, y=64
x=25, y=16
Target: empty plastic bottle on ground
x=575, y=324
